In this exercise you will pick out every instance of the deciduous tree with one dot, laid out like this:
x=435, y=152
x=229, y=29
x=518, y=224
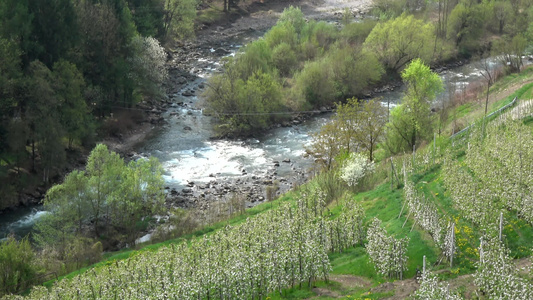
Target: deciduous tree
x=411, y=121
x=398, y=41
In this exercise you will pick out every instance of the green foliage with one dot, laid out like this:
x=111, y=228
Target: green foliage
x=69, y=86
x=294, y=17
x=388, y=9
x=356, y=33
x=352, y=70
x=54, y=30
x=43, y=117
x=357, y=126
x=10, y=73
x=256, y=57
x=411, y=121
x=316, y=83
x=108, y=191
x=16, y=24
x=281, y=33
x=178, y=20
x=398, y=41
x=321, y=35
x=284, y=59
x=465, y=25
x=502, y=15
x=148, y=17
x=244, y=106
x=16, y=265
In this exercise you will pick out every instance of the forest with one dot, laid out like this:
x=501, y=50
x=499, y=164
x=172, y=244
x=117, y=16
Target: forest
x=65, y=67
x=435, y=197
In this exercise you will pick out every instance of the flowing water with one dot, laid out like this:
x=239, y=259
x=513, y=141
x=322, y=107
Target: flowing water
x=189, y=154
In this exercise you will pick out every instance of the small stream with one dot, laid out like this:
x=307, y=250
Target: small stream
x=185, y=147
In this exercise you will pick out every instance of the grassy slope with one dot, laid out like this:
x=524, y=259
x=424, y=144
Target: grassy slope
x=386, y=204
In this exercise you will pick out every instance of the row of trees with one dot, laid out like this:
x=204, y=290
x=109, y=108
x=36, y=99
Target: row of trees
x=496, y=277
x=66, y=63
x=386, y=252
x=301, y=65
x=494, y=175
x=313, y=64
x=282, y=247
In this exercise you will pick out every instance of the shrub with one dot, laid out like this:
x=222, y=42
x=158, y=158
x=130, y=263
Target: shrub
x=16, y=266
x=284, y=59
x=356, y=167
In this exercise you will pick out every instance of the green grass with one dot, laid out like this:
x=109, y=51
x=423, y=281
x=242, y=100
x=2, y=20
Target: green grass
x=511, y=79
x=386, y=204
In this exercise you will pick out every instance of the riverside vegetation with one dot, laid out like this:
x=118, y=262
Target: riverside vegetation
x=441, y=202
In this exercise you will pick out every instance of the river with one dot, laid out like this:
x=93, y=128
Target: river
x=192, y=160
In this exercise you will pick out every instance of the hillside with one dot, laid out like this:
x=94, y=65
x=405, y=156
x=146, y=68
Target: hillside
x=285, y=242
x=423, y=193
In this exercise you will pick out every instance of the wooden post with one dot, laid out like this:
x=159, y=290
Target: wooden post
x=481, y=254
x=414, y=159
x=391, y=174
x=404, y=173
x=501, y=225
x=424, y=266
x=394, y=173
x=434, y=146
x=452, y=246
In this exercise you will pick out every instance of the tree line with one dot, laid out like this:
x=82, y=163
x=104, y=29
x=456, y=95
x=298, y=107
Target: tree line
x=303, y=64
x=65, y=65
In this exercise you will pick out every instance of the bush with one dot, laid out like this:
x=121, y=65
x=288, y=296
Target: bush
x=321, y=34
x=316, y=84
x=284, y=59
x=356, y=167
x=281, y=33
x=16, y=265
x=257, y=57
x=330, y=184
x=356, y=33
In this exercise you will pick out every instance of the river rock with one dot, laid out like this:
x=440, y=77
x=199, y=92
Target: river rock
x=187, y=128
x=286, y=160
x=186, y=191
x=221, y=51
x=181, y=80
x=187, y=93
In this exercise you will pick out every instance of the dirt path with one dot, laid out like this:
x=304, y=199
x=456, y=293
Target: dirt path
x=347, y=283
